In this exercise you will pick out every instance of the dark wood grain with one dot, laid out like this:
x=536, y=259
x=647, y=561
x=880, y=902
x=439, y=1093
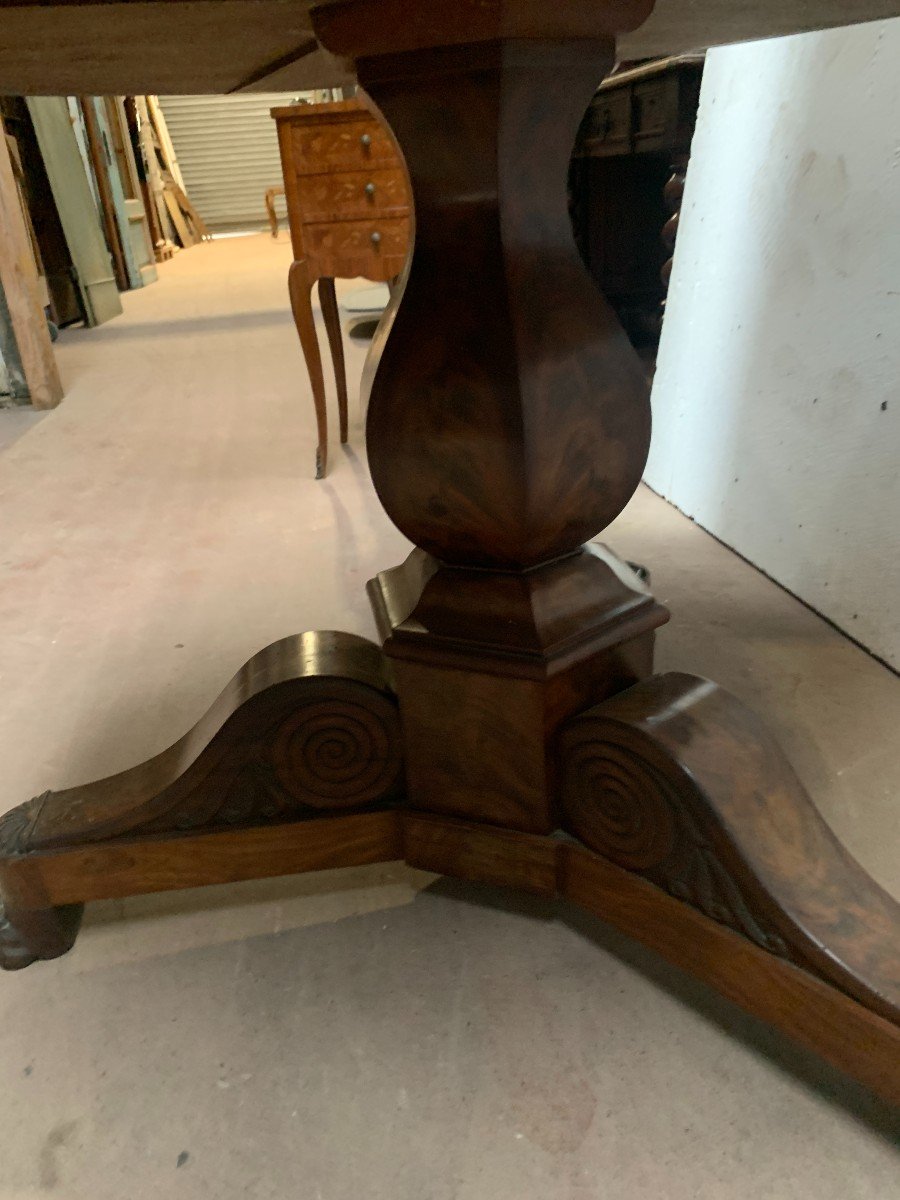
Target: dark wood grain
x=479, y=853
x=358, y=28
x=509, y=420
x=678, y=781
x=488, y=662
x=307, y=727
x=186, y=47
x=586, y=602
x=847, y=1034
x=509, y=424
x=138, y=866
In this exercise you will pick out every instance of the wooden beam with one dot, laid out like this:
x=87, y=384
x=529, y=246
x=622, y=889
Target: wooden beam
x=78, y=47
x=143, y=171
x=100, y=165
x=155, y=185
x=809, y=1010
x=138, y=866
x=19, y=278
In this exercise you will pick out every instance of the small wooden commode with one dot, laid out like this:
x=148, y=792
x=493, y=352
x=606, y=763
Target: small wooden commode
x=348, y=206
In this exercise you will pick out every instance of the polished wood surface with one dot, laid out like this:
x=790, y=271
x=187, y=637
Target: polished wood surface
x=350, y=248
x=332, y=318
x=856, y=1040
x=299, y=286
x=349, y=215
x=479, y=853
x=517, y=425
x=351, y=195
x=825, y=1020
x=508, y=422
x=678, y=781
x=98, y=47
x=328, y=139
x=126, y=867
x=512, y=731
x=483, y=661
x=307, y=726
x=347, y=197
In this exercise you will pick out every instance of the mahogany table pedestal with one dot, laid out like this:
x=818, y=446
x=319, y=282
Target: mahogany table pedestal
x=511, y=729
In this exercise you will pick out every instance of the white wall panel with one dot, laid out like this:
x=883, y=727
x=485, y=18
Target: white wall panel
x=777, y=395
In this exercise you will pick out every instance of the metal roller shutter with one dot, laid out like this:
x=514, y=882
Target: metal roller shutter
x=227, y=149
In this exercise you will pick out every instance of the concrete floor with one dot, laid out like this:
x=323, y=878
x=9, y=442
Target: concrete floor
x=16, y=420
x=363, y=1034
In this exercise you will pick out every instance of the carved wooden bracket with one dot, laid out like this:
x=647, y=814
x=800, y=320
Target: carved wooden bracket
x=307, y=727
x=675, y=780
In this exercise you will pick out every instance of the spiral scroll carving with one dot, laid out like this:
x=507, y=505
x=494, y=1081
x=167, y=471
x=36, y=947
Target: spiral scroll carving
x=676, y=780
x=618, y=806
x=308, y=724
x=624, y=805
x=338, y=752
x=318, y=743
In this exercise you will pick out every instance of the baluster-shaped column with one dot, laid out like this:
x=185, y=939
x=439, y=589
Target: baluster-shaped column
x=509, y=420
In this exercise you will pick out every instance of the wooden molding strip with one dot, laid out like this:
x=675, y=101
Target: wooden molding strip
x=19, y=279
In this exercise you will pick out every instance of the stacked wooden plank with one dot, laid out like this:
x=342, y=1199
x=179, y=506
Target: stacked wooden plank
x=178, y=220
x=23, y=288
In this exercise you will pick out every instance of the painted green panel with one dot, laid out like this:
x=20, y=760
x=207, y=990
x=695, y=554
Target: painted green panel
x=76, y=206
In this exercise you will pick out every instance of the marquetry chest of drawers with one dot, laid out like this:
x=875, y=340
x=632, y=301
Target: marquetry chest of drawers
x=348, y=206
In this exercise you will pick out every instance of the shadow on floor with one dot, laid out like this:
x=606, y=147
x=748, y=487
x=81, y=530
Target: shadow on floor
x=188, y=327
x=813, y=1072
x=15, y=422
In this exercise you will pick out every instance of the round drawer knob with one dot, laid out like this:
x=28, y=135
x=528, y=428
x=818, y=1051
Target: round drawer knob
x=376, y=238
x=370, y=189
x=366, y=139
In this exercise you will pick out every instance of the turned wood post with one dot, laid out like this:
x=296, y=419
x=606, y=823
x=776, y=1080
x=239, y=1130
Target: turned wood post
x=509, y=419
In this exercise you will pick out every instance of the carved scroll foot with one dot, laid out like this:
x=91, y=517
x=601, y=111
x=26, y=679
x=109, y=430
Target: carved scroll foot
x=297, y=766
x=31, y=935
x=676, y=781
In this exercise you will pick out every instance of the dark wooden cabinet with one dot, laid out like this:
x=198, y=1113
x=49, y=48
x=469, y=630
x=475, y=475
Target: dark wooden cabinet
x=635, y=136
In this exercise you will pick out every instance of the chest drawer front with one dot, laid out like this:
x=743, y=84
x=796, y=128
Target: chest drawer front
x=377, y=194
x=375, y=249
x=343, y=146
x=655, y=114
x=606, y=128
